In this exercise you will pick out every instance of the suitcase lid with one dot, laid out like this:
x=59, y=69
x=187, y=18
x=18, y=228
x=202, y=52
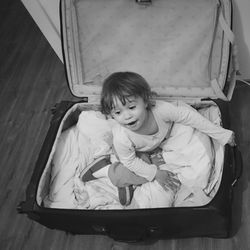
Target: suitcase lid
x=182, y=48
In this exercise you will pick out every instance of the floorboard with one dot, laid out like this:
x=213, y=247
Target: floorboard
x=32, y=80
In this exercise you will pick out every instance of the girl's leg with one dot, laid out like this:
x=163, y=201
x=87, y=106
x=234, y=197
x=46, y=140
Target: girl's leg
x=121, y=176
x=125, y=180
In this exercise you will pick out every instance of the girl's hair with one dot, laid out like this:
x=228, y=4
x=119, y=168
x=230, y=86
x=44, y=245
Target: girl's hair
x=122, y=85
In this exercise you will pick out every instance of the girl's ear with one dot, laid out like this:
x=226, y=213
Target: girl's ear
x=109, y=116
x=151, y=103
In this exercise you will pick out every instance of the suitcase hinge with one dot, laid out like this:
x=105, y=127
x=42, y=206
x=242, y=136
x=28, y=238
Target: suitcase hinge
x=85, y=99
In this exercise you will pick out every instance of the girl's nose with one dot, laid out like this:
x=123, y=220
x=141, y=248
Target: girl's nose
x=127, y=115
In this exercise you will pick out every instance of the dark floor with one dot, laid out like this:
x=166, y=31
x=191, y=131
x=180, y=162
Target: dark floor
x=32, y=80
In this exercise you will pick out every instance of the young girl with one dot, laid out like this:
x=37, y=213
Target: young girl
x=142, y=124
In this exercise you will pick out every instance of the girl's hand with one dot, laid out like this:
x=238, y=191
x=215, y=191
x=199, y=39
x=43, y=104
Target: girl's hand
x=167, y=180
x=231, y=140
x=157, y=158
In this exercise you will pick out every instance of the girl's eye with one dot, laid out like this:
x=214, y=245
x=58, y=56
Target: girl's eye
x=117, y=112
x=132, y=107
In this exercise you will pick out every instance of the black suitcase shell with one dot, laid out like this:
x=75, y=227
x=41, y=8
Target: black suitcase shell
x=211, y=220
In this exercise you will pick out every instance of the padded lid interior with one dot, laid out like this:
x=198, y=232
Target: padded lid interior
x=171, y=43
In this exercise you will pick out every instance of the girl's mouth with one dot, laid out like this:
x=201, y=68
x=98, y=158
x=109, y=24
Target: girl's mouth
x=131, y=123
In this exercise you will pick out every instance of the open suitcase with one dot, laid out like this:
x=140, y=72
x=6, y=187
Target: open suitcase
x=185, y=48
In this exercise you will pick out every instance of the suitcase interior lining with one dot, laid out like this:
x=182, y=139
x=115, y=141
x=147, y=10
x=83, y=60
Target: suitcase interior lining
x=179, y=52
x=71, y=118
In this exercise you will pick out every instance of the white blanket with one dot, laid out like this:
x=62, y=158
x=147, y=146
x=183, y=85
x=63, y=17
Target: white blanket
x=76, y=149
x=188, y=153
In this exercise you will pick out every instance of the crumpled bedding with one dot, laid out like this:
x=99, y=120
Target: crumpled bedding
x=188, y=153
x=76, y=149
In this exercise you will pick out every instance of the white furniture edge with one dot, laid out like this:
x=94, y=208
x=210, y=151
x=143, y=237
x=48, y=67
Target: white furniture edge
x=46, y=24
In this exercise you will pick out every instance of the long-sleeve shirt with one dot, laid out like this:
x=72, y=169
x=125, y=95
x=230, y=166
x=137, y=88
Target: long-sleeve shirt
x=127, y=142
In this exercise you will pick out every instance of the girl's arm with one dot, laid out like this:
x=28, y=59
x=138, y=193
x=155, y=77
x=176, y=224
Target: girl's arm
x=126, y=153
x=186, y=115
x=127, y=156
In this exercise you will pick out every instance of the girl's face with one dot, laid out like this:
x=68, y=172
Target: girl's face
x=132, y=115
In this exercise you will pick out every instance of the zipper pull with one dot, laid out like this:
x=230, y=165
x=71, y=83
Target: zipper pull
x=144, y=2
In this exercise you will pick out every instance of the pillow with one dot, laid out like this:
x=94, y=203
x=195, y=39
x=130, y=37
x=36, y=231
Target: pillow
x=95, y=126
